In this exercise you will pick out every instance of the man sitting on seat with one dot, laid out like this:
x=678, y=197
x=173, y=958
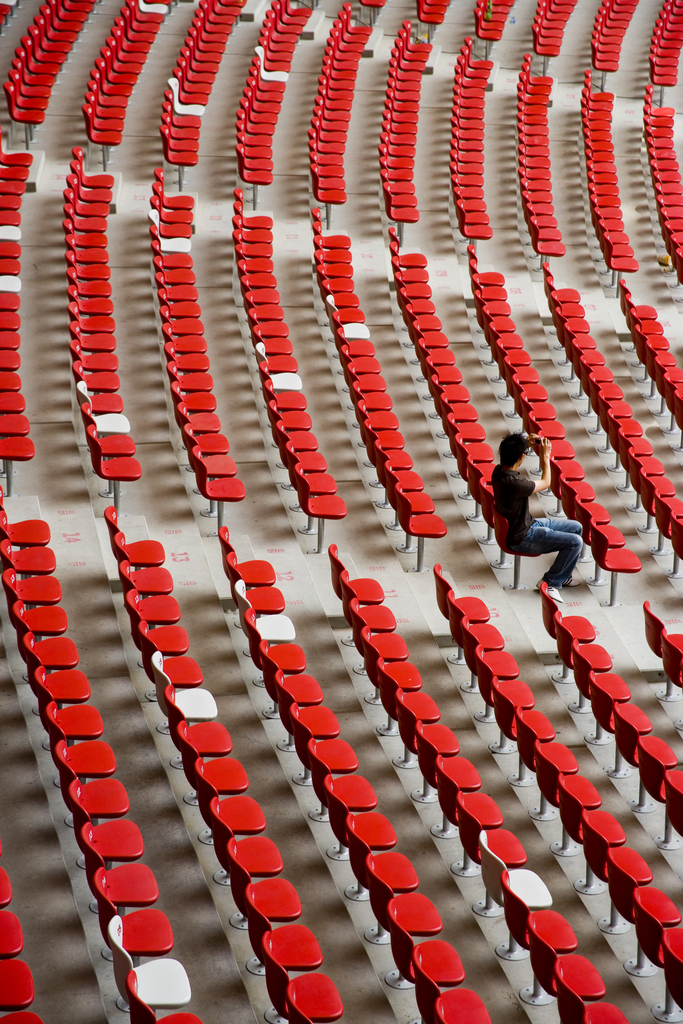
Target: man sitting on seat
x=528, y=536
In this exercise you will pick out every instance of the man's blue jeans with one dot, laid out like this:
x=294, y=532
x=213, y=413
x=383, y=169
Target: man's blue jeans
x=561, y=535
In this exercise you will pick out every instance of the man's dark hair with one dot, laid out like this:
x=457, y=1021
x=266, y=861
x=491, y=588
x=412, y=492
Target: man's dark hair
x=511, y=448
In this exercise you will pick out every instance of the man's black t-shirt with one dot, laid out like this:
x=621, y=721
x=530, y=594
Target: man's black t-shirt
x=511, y=493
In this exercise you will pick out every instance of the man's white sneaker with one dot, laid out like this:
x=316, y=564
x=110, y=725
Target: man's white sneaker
x=553, y=592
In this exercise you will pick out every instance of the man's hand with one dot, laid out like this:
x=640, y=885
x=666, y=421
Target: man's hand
x=544, y=462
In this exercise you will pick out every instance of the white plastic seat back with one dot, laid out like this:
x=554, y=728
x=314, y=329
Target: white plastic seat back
x=526, y=884
x=122, y=961
x=10, y=283
x=273, y=628
x=189, y=109
x=162, y=983
x=161, y=680
x=280, y=381
x=269, y=76
x=9, y=233
x=168, y=244
x=243, y=602
x=492, y=868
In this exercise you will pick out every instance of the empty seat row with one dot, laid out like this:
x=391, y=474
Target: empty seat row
x=665, y=47
x=378, y=424
x=17, y=989
x=548, y=28
x=431, y=13
x=455, y=782
x=74, y=728
x=398, y=139
x=6, y=12
x=659, y=367
x=184, y=349
x=611, y=21
x=257, y=114
x=467, y=143
x=92, y=327
x=39, y=60
x=451, y=399
x=219, y=781
x=624, y=434
x=282, y=387
x=533, y=155
x=116, y=72
x=15, y=444
x=584, y=825
x=490, y=17
x=192, y=81
x=603, y=184
x=332, y=109
x=658, y=123
x=347, y=802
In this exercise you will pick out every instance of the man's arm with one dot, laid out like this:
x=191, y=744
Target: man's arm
x=544, y=460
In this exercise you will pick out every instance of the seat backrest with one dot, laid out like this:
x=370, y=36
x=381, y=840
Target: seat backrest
x=60, y=756
x=380, y=891
x=253, y=636
x=243, y=603
x=55, y=729
x=654, y=911
x=403, y=510
x=401, y=940
x=671, y=655
x=175, y=715
x=10, y=583
x=277, y=977
x=161, y=680
x=88, y=844
x=516, y=911
x=231, y=568
x=673, y=959
x=575, y=975
x=122, y=961
x=257, y=919
x=655, y=758
x=111, y=518
x=492, y=868
x=501, y=527
x=630, y=722
x=549, y=609
x=95, y=448
x=75, y=802
x=336, y=568
x=626, y=871
x=140, y=1012
x=224, y=541
x=6, y=554
x=443, y=589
